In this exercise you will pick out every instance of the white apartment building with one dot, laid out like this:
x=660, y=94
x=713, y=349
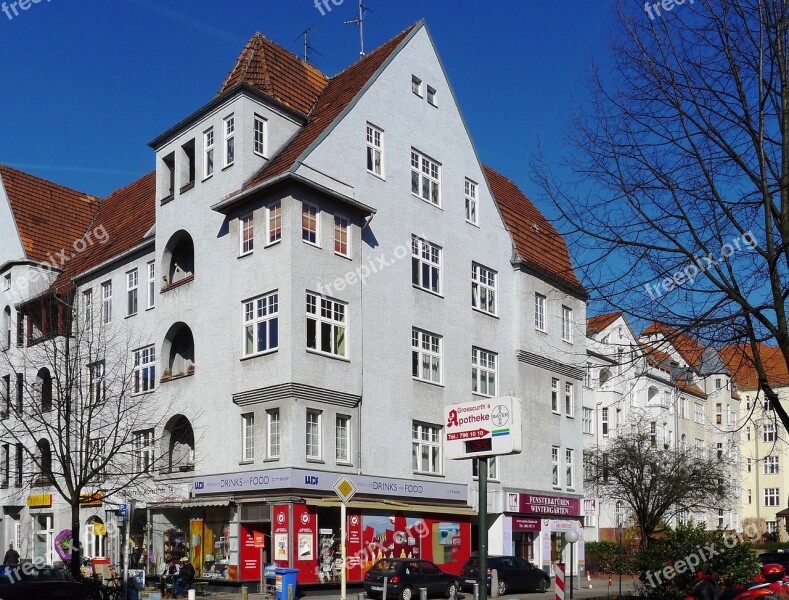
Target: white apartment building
x=310, y=274
x=682, y=390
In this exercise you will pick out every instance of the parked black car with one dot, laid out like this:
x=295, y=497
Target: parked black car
x=26, y=582
x=514, y=574
x=406, y=576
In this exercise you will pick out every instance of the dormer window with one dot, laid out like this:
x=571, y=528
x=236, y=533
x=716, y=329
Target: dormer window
x=188, y=175
x=208, y=149
x=416, y=85
x=169, y=165
x=230, y=140
x=431, y=96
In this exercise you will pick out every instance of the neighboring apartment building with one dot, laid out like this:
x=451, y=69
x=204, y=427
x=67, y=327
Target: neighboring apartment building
x=682, y=391
x=764, y=472
x=318, y=265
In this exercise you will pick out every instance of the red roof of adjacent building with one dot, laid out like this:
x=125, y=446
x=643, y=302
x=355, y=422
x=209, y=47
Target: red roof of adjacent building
x=279, y=74
x=536, y=240
x=49, y=217
x=740, y=361
x=599, y=322
x=688, y=347
x=690, y=388
x=656, y=357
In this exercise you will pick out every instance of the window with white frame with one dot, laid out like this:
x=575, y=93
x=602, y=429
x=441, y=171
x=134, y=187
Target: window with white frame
x=425, y=265
x=483, y=288
x=719, y=450
x=272, y=433
x=248, y=437
x=425, y=178
x=567, y=324
x=748, y=434
x=587, y=420
x=97, y=382
x=483, y=372
x=309, y=223
x=555, y=466
x=555, y=395
x=768, y=432
x=314, y=434
x=260, y=135
x=700, y=447
x=471, y=202
x=151, y=269
x=683, y=408
x=425, y=356
x=569, y=465
x=261, y=324
x=770, y=465
x=718, y=413
x=375, y=150
x=698, y=412
x=425, y=448
x=342, y=240
x=208, y=153
x=144, y=369
x=569, y=399
x=750, y=497
x=765, y=403
x=106, y=302
x=230, y=140
x=326, y=324
x=539, y=312
x=772, y=496
x=604, y=421
x=246, y=228
x=87, y=307
x=653, y=434
x=493, y=471
x=274, y=222
x=143, y=451
x=132, y=286
x=772, y=526
x=342, y=438
x=6, y=282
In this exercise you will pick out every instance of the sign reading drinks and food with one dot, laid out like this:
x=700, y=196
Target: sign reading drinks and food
x=486, y=427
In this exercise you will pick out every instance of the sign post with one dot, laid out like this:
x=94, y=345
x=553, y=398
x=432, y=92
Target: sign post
x=345, y=490
x=259, y=541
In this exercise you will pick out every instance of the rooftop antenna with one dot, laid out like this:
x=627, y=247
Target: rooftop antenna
x=307, y=47
x=363, y=8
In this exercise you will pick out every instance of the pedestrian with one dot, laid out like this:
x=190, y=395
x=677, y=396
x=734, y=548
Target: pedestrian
x=11, y=556
x=706, y=588
x=186, y=577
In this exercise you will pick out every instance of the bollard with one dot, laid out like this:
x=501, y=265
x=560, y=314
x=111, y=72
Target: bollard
x=361, y=596
x=559, y=568
x=291, y=592
x=244, y=593
x=476, y=591
x=494, y=583
x=422, y=593
x=386, y=583
x=190, y=595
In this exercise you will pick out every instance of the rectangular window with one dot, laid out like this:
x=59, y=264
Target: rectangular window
x=375, y=150
x=653, y=434
x=425, y=265
x=483, y=372
x=750, y=497
x=471, y=202
x=230, y=140
x=309, y=223
x=246, y=229
x=539, y=312
x=718, y=384
x=493, y=472
x=19, y=471
x=20, y=329
x=569, y=480
x=569, y=399
x=326, y=324
x=425, y=448
x=431, y=96
x=587, y=420
x=700, y=447
x=208, y=149
x=20, y=391
x=555, y=395
x=604, y=419
x=144, y=370
x=272, y=426
x=313, y=434
x=98, y=383
x=719, y=414
x=483, y=288
x=143, y=451
x=342, y=241
x=748, y=465
x=169, y=165
x=772, y=496
x=274, y=222
x=416, y=85
x=260, y=135
x=261, y=324
x=425, y=356
x=151, y=284
x=248, y=437
x=6, y=396
x=132, y=285
x=567, y=324
x=771, y=465
x=106, y=302
x=748, y=434
x=87, y=307
x=719, y=450
x=6, y=282
x=698, y=413
x=683, y=408
x=342, y=439
x=555, y=466
x=425, y=178
x=6, y=458
x=768, y=432
x=772, y=526
x=188, y=150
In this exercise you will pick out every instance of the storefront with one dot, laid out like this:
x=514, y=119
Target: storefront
x=298, y=515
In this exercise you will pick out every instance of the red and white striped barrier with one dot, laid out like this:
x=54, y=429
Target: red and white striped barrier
x=559, y=568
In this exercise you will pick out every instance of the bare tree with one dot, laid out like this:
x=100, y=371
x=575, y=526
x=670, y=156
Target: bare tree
x=655, y=481
x=79, y=409
x=677, y=198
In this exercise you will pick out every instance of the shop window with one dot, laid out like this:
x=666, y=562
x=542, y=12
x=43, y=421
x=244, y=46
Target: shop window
x=176, y=545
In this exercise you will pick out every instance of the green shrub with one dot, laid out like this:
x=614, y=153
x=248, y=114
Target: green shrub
x=603, y=558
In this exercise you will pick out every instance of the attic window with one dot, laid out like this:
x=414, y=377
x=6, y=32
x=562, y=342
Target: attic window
x=169, y=164
x=416, y=85
x=188, y=175
x=431, y=96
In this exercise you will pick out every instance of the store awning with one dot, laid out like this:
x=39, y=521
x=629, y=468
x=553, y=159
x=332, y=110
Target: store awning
x=392, y=505
x=202, y=502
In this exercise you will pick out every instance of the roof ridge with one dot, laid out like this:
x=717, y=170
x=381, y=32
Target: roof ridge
x=50, y=182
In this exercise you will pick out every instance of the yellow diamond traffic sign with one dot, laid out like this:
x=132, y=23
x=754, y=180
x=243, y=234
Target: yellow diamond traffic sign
x=345, y=489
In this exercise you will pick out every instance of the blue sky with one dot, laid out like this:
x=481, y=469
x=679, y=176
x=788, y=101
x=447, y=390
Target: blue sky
x=87, y=84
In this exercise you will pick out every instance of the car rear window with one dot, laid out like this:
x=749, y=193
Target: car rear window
x=386, y=566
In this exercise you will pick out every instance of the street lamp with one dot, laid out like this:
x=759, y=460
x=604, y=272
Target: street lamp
x=571, y=537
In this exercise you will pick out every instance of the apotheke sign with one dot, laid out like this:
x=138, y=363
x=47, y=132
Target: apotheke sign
x=280, y=479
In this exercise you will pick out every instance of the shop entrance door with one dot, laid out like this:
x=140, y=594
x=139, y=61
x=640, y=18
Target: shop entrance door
x=329, y=553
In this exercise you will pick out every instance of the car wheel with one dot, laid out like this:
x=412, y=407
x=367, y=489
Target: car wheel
x=453, y=589
x=502, y=587
x=406, y=593
x=543, y=586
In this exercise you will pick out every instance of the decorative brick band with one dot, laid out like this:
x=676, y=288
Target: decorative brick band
x=299, y=391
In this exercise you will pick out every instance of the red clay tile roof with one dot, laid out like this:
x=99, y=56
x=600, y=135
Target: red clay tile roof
x=49, y=217
x=599, y=322
x=656, y=357
x=536, y=240
x=337, y=95
x=739, y=359
x=127, y=214
x=689, y=348
x=277, y=73
x=690, y=388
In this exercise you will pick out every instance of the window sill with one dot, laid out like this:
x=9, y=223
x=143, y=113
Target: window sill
x=259, y=354
x=166, y=378
x=134, y=314
x=570, y=416
x=150, y=308
x=538, y=330
x=328, y=355
x=260, y=154
x=480, y=395
x=430, y=202
x=428, y=474
x=246, y=462
x=484, y=312
x=476, y=478
x=271, y=459
x=274, y=243
x=179, y=283
x=313, y=244
x=228, y=166
x=145, y=393
x=345, y=256
x=556, y=412
x=341, y=463
x=376, y=175
x=431, y=292
x=167, y=199
x=427, y=382
x=316, y=461
x=206, y=178
x=187, y=187
x=245, y=254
